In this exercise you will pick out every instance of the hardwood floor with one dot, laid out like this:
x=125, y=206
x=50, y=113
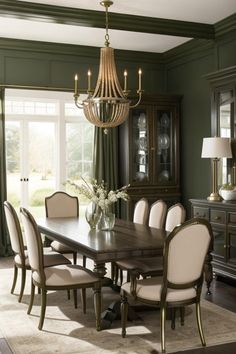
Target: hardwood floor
x=223, y=294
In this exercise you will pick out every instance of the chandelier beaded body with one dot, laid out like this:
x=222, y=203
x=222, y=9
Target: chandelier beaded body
x=108, y=105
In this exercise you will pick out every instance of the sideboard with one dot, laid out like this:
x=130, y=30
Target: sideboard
x=222, y=216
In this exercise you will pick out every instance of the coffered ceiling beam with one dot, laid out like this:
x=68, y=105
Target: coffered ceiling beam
x=88, y=18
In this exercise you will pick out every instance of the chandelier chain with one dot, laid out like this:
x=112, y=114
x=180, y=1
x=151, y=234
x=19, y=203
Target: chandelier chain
x=107, y=43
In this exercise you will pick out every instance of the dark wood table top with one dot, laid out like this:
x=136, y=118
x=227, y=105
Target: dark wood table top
x=126, y=240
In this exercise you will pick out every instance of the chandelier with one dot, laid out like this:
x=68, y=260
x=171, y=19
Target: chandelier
x=107, y=106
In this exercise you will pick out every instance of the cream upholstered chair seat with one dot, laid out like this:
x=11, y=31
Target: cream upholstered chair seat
x=60, y=247
x=50, y=259
x=142, y=264
x=184, y=255
x=61, y=277
x=150, y=289
x=21, y=259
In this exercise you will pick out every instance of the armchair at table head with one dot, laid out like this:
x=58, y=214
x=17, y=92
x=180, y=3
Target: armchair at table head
x=59, y=277
x=62, y=205
x=185, y=251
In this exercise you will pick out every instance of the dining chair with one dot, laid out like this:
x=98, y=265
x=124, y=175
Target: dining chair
x=153, y=266
x=156, y=219
x=140, y=216
x=185, y=251
x=175, y=216
x=21, y=259
x=60, y=277
x=62, y=205
x=141, y=209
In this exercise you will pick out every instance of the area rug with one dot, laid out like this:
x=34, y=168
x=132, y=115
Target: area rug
x=67, y=330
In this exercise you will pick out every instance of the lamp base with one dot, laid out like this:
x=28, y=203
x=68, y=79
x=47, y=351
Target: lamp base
x=214, y=197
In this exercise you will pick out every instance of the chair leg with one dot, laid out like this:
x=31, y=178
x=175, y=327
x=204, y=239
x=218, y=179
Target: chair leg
x=182, y=314
x=31, y=297
x=14, y=279
x=68, y=294
x=124, y=313
x=74, y=257
x=199, y=324
x=75, y=298
x=116, y=274
x=83, y=299
x=163, y=321
x=98, y=306
x=121, y=276
x=84, y=261
x=128, y=276
x=173, y=313
x=113, y=271
x=43, y=308
x=23, y=276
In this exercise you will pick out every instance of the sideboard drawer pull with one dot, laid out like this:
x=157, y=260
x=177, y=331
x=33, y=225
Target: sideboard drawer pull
x=217, y=217
x=200, y=216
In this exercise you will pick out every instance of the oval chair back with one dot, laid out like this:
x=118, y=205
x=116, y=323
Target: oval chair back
x=34, y=244
x=14, y=229
x=141, y=211
x=175, y=216
x=157, y=214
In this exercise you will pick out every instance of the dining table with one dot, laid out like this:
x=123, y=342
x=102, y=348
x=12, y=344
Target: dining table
x=125, y=241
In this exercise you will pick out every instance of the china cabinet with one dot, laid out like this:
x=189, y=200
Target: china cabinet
x=222, y=216
x=149, y=151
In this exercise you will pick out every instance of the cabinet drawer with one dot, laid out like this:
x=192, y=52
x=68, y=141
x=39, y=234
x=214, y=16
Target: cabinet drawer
x=232, y=219
x=218, y=216
x=199, y=212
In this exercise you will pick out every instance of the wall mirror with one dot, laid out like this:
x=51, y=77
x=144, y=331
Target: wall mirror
x=223, y=118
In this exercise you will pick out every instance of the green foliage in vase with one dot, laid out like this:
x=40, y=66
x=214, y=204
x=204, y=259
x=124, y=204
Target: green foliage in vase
x=228, y=186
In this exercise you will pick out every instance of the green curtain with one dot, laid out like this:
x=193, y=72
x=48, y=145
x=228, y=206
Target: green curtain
x=105, y=159
x=5, y=246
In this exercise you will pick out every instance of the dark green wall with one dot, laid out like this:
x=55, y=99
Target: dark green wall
x=185, y=70
x=54, y=65
x=179, y=71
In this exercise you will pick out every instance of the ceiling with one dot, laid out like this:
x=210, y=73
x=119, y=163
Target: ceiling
x=149, y=26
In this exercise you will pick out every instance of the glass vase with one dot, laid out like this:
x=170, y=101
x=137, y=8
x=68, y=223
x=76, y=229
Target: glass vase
x=93, y=215
x=107, y=220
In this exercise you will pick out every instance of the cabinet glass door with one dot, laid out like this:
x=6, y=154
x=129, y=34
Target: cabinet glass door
x=165, y=149
x=140, y=146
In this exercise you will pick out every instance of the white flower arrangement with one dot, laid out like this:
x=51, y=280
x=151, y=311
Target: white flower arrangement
x=99, y=195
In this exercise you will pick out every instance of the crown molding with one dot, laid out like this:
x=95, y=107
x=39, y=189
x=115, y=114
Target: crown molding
x=76, y=50
x=81, y=17
x=225, y=26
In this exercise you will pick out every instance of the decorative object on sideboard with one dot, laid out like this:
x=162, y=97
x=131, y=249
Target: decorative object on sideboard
x=215, y=148
x=228, y=191
x=108, y=105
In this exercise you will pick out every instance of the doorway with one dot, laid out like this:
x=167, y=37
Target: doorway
x=48, y=141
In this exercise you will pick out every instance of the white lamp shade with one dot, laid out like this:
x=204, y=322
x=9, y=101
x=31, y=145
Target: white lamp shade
x=216, y=147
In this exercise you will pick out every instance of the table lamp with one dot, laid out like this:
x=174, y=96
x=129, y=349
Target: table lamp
x=215, y=148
